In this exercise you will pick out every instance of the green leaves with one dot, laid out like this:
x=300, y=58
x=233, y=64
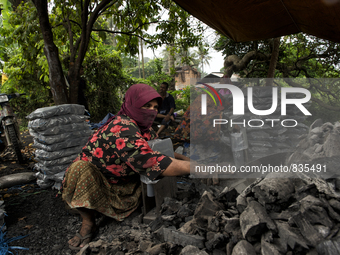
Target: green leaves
x=121, y=23
x=102, y=35
x=105, y=80
x=5, y=12
x=182, y=98
x=300, y=56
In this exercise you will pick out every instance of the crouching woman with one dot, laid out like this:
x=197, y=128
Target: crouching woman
x=105, y=177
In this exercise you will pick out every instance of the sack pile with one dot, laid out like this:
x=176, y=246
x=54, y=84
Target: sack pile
x=266, y=134
x=59, y=133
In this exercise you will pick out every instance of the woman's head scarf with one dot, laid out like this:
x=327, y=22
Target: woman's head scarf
x=136, y=97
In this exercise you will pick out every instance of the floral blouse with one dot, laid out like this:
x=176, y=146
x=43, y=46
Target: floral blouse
x=120, y=151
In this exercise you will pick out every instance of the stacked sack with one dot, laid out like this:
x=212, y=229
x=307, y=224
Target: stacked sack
x=268, y=138
x=59, y=133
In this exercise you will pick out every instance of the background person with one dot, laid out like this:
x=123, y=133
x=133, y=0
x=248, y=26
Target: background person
x=105, y=176
x=165, y=112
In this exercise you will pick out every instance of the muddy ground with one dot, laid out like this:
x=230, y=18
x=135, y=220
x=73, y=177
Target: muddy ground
x=38, y=214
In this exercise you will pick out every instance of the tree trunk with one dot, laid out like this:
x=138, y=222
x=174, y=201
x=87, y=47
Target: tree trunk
x=172, y=67
x=74, y=79
x=141, y=49
x=202, y=66
x=57, y=80
x=273, y=61
x=139, y=72
x=233, y=63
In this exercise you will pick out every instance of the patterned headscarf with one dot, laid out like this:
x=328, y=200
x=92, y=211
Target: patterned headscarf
x=137, y=96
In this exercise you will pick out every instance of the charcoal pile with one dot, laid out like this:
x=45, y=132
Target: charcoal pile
x=59, y=133
x=321, y=141
x=319, y=148
x=290, y=213
x=271, y=216
x=288, y=216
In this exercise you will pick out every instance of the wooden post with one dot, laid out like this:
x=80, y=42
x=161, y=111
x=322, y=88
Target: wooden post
x=165, y=187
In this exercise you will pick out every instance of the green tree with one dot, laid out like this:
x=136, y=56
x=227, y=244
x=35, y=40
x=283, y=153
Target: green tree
x=106, y=82
x=84, y=21
x=298, y=56
x=21, y=64
x=157, y=76
x=203, y=55
x=28, y=70
x=179, y=57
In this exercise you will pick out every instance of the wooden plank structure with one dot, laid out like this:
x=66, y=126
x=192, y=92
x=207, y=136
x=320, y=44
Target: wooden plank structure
x=165, y=187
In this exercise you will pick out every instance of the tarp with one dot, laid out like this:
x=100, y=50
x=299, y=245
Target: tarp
x=251, y=20
x=102, y=122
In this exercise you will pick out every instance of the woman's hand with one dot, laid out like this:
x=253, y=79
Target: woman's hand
x=177, y=168
x=182, y=167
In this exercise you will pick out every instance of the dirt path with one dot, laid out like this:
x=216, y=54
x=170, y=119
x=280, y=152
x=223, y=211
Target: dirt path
x=38, y=214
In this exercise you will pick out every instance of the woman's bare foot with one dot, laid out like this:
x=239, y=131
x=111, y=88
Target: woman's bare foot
x=88, y=227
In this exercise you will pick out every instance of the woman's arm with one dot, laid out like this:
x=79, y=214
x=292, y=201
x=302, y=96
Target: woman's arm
x=177, y=168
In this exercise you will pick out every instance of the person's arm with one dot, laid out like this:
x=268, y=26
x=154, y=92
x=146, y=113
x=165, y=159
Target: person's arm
x=171, y=111
x=166, y=116
x=169, y=114
x=172, y=108
x=177, y=168
x=129, y=148
x=159, y=115
x=182, y=167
